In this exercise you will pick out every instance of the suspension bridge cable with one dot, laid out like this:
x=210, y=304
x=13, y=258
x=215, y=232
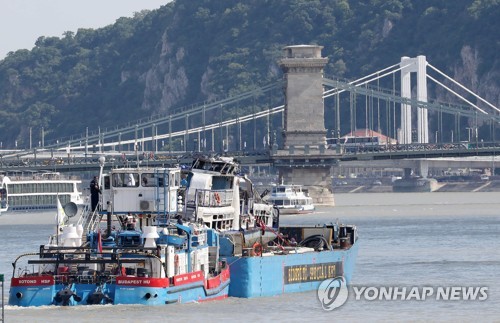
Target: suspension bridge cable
x=461, y=97
x=463, y=87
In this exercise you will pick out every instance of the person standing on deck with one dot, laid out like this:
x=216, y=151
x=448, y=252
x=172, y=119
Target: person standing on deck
x=95, y=190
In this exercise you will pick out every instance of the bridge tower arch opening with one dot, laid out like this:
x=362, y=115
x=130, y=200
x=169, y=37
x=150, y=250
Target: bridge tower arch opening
x=416, y=65
x=304, y=132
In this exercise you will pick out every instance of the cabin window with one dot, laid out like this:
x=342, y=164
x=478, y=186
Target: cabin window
x=222, y=183
x=117, y=180
x=148, y=180
x=107, y=183
x=163, y=180
x=177, y=179
x=126, y=180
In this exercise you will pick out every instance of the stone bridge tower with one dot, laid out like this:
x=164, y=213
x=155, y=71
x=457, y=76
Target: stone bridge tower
x=303, y=159
x=304, y=111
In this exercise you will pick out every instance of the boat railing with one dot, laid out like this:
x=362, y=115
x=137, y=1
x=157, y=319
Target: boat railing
x=94, y=220
x=82, y=265
x=88, y=219
x=213, y=198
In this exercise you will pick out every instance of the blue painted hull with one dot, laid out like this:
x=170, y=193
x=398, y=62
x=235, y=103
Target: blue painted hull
x=47, y=295
x=32, y=296
x=280, y=274
x=118, y=293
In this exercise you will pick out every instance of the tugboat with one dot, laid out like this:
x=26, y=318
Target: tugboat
x=142, y=256
x=130, y=272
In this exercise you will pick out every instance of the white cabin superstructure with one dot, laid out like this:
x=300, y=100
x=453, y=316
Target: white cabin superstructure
x=220, y=198
x=137, y=191
x=211, y=195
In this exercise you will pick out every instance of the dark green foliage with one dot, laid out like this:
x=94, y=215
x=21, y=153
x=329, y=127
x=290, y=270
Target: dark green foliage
x=191, y=51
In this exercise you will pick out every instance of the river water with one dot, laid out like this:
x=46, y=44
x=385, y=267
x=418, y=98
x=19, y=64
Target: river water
x=406, y=240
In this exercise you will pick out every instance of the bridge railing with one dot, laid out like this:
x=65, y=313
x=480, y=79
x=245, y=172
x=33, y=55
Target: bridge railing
x=383, y=151
x=385, y=148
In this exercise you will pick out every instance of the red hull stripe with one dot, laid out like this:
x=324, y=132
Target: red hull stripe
x=217, y=280
x=188, y=278
x=224, y=275
x=141, y=281
x=33, y=281
x=213, y=282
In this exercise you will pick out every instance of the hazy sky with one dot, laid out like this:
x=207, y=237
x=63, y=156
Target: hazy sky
x=23, y=21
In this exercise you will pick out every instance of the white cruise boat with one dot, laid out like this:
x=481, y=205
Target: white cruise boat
x=38, y=191
x=291, y=199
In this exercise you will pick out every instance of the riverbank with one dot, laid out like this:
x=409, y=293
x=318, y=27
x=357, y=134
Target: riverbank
x=483, y=186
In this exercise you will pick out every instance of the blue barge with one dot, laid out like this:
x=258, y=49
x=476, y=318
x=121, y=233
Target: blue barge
x=316, y=254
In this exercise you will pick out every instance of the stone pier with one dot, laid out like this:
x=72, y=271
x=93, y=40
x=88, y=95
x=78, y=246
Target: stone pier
x=317, y=181
x=303, y=159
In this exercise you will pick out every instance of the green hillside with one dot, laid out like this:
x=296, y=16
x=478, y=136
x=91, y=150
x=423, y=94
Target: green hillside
x=191, y=51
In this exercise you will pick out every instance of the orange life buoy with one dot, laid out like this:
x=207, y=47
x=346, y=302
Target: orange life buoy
x=217, y=198
x=257, y=249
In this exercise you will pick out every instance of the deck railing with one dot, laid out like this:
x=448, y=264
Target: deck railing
x=211, y=198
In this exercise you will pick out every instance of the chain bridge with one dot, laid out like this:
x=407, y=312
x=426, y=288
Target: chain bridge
x=304, y=125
